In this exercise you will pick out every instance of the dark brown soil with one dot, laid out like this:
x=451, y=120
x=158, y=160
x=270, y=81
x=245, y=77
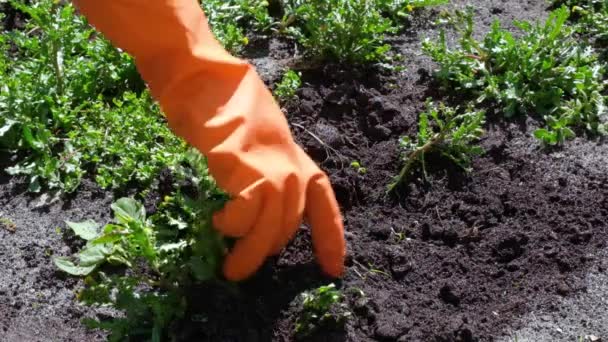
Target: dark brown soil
x=13, y=19
x=460, y=259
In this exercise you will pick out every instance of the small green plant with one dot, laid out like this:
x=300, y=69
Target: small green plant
x=545, y=73
x=164, y=255
x=341, y=30
x=357, y=166
x=399, y=235
x=321, y=307
x=443, y=130
x=287, y=88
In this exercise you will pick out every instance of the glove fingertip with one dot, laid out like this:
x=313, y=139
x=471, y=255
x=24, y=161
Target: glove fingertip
x=235, y=272
x=244, y=260
x=327, y=227
x=332, y=265
x=250, y=252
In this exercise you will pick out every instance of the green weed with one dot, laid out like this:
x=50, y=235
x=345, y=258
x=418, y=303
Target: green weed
x=320, y=307
x=120, y=143
x=357, y=166
x=346, y=31
x=165, y=254
x=545, y=73
x=590, y=19
x=341, y=30
x=445, y=131
x=289, y=85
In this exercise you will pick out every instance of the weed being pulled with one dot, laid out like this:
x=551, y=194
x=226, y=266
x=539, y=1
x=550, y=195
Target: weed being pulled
x=155, y=260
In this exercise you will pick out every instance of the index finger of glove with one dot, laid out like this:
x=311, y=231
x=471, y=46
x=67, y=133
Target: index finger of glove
x=250, y=252
x=327, y=228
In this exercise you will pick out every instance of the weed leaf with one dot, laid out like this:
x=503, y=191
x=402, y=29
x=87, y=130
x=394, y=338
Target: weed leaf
x=87, y=230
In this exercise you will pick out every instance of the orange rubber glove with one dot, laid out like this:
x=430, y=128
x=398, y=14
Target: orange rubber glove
x=219, y=104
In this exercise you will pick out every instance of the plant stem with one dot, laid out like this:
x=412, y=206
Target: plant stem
x=57, y=66
x=413, y=157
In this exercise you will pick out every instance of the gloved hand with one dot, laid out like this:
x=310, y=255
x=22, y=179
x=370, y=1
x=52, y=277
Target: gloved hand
x=219, y=104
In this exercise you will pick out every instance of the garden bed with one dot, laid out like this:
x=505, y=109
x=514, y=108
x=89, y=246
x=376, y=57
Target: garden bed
x=466, y=257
